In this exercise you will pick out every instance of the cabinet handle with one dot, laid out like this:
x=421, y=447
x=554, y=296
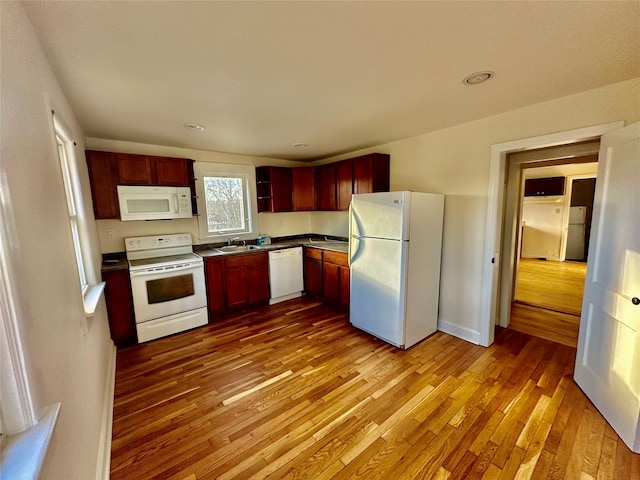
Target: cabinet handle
x=635, y=301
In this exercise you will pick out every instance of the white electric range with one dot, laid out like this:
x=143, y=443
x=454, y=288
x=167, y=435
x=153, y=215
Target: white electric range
x=167, y=284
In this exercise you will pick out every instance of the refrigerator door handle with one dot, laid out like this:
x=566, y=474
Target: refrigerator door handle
x=354, y=223
x=353, y=253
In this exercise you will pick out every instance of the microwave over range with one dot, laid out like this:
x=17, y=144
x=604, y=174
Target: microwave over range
x=154, y=203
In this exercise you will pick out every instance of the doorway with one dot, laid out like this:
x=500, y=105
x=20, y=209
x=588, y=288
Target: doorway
x=497, y=279
x=552, y=218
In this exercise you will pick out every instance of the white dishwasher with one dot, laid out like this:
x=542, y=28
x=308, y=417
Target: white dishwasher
x=285, y=274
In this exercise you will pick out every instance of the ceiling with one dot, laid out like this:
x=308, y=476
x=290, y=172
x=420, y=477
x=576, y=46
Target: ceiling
x=338, y=76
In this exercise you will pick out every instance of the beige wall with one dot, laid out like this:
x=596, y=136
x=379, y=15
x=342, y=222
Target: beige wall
x=68, y=357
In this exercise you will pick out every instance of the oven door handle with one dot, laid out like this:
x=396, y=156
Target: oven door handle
x=143, y=273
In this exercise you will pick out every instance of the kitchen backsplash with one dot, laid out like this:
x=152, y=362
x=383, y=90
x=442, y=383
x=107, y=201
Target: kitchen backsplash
x=113, y=232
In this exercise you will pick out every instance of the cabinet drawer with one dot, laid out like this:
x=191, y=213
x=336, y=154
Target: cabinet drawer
x=337, y=258
x=246, y=260
x=313, y=253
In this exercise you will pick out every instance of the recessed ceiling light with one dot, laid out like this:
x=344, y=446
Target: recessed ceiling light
x=193, y=126
x=299, y=145
x=478, y=77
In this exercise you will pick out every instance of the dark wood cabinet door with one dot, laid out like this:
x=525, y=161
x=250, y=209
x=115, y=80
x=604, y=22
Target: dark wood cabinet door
x=371, y=173
x=134, y=169
x=214, y=272
x=304, y=188
x=237, y=291
x=120, y=307
x=539, y=187
x=344, y=184
x=170, y=171
x=313, y=276
x=330, y=283
x=344, y=287
x=103, y=179
x=281, y=189
x=326, y=187
x=258, y=277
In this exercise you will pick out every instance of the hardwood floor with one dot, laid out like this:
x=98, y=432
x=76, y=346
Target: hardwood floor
x=553, y=285
x=549, y=300
x=294, y=391
x=548, y=324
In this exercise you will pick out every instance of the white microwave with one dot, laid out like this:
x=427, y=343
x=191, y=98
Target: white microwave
x=154, y=203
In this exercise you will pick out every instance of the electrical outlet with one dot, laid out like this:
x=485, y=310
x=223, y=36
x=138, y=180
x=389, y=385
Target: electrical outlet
x=110, y=232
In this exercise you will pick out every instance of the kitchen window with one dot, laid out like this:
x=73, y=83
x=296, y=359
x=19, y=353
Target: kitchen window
x=65, y=147
x=91, y=292
x=226, y=200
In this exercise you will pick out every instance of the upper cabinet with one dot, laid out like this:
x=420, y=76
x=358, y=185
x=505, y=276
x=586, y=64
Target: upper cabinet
x=540, y=187
x=170, y=171
x=326, y=187
x=344, y=184
x=107, y=170
x=304, y=189
x=103, y=178
x=274, y=187
x=371, y=173
x=147, y=170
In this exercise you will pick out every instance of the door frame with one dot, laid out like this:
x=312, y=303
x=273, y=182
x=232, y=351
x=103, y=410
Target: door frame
x=489, y=311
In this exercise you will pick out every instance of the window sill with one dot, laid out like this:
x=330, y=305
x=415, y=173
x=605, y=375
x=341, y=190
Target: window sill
x=92, y=298
x=23, y=454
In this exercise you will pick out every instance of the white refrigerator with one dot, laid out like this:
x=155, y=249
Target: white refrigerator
x=576, y=234
x=395, y=242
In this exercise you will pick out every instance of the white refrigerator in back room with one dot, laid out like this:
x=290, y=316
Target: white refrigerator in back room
x=395, y=244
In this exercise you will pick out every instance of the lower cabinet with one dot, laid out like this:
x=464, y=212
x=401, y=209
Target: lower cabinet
x=313, y=272
x=236, y=281
x=336, y=278
x=216, y=293
x=326, y=275
x=119, y=300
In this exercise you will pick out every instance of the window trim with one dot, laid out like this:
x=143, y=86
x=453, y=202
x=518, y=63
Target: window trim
x=248, y=175
x=65, y=152
x=18, y=409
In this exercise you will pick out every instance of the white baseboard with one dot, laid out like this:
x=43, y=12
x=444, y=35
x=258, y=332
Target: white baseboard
x=103, y=469
x=458, y=331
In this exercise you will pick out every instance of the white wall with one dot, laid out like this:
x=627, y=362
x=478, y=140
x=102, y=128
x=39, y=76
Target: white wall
x=543, y=218
x=68, y=357
x=542, y=229
x=455, y=161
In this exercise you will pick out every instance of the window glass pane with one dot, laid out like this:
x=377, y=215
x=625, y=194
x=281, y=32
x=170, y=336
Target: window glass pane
x=225, y=204
x=72, y=196
x=78, y=251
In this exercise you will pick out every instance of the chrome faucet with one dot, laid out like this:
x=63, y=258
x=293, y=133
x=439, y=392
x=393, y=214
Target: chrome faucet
x=230, y=241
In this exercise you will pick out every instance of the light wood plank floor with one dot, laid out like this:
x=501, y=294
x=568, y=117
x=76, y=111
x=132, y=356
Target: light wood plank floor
x=553, y=285
x=294, y=391
x=549, y=300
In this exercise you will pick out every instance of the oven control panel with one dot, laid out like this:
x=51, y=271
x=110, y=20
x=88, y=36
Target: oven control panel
x=156, y=242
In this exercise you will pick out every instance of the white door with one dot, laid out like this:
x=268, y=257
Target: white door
x=608, y=357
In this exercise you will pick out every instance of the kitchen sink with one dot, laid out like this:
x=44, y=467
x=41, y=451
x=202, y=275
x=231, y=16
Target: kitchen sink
x=237, y=248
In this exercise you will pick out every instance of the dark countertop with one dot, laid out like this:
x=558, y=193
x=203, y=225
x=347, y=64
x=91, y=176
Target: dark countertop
x=111, y=264
x=118, y=260
x=334, y=245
